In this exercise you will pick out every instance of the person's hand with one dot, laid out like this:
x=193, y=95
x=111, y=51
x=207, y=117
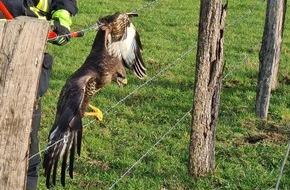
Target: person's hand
x=60, y=24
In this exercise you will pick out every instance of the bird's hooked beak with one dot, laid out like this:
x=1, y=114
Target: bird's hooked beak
x=132, y=14
x=121, y=81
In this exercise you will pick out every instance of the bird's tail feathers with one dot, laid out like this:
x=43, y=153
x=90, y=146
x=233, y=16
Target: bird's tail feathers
x=60, y=146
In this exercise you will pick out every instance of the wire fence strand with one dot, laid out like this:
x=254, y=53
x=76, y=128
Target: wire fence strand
x=151, y=79
x=283, y=165
x=151, y=148
x=147, y=5
x=147, y=82
x=163, y=70
x=251, y=10
x=129, y=95
x=95, y=27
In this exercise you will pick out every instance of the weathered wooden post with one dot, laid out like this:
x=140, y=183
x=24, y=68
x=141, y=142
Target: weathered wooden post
x=270, y=55
x=22, y=45
x=208, y=78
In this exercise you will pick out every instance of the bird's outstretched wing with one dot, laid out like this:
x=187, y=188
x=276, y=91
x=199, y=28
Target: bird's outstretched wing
x=66, y=134
x=129, y=48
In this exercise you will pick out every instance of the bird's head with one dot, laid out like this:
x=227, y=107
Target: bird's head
x=115, y=24
x=120, y=76
x=120, y=79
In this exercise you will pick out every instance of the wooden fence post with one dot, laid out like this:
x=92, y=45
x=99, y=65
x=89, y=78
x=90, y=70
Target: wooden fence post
x=22, y=45
x=270, y=55
x=208, y=79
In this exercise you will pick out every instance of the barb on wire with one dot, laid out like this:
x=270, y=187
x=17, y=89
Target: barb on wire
x=151, y=148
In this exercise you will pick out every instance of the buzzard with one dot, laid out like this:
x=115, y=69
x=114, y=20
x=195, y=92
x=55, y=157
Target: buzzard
x=116, y=46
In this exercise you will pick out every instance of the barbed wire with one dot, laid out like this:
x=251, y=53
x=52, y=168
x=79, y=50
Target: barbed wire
x=96, y=27
x=283, y=164
x=151, y=79
x=147, y=5
x=192, y=47
x=48, y=147
x=258, y=5
x=147, y=82
x=126, y=97
x=235, y=67
x=82, y=31
x=150, y=149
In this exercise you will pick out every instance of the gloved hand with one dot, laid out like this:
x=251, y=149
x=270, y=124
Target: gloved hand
x=60, y=24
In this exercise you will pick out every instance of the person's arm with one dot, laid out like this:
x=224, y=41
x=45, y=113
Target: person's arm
x=61, y=13
x=69, y=5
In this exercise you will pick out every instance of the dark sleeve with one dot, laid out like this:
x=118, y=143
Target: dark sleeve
x=69, y=5
x=15, y=7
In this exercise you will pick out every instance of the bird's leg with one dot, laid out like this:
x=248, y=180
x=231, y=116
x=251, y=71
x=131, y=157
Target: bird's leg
x=96, y=113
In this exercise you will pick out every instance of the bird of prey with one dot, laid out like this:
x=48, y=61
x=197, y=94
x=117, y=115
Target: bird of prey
x=116, y=46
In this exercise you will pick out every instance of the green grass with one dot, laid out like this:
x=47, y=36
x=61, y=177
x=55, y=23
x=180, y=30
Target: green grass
x=168, y=29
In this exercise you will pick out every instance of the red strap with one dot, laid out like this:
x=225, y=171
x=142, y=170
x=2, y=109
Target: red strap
x=5, y=12
x=51, y=35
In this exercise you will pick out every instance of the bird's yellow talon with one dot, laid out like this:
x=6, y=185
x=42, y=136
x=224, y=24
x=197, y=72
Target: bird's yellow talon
x=97, y=113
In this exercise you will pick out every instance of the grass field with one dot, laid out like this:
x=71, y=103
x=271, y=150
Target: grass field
x=132, y=128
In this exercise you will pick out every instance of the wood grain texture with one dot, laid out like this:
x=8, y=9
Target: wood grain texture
x=22, y=45
x=270, y=55
x=208, y=78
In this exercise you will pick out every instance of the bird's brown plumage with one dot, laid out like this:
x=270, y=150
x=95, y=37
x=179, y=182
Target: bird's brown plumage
x=116, y=45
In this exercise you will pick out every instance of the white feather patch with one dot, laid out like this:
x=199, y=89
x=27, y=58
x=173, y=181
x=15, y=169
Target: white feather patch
x=128, y=46
x=114, y=50
x=125, y=48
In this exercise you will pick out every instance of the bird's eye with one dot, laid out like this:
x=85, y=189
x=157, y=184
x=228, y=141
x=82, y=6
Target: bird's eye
x=120, y=75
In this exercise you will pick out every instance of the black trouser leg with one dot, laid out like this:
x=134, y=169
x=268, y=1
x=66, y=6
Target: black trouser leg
x=34, y=161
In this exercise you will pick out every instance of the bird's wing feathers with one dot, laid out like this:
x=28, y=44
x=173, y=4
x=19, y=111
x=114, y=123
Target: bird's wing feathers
x=130, y=49
x=66, y=134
